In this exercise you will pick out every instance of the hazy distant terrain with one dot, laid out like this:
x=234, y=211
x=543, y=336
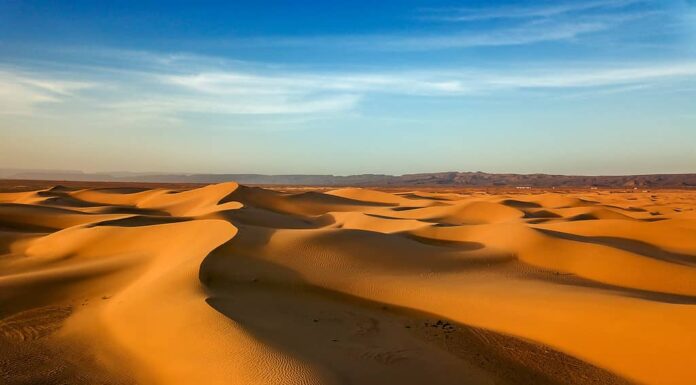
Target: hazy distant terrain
x=476, y=179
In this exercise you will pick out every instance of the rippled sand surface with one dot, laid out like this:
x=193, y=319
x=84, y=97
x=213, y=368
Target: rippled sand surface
x=227, y=284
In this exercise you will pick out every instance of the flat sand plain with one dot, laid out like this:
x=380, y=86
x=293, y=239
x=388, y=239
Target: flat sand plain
x=228, y=284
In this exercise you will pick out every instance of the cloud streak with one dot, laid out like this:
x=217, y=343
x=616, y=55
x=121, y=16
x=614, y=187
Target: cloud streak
x=518, y=26
x=525, y=34
x=171, y=91
x=21, y=93
x=534, y=11
x=427, y=82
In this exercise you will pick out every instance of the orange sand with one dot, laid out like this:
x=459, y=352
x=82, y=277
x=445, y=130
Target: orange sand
x=228, y=284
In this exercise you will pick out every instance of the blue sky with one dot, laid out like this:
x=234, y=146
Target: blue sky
x=581, y=87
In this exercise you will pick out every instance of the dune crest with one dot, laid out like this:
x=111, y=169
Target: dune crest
x=234, y=284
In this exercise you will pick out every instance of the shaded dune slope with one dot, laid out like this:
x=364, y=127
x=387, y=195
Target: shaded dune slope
x=234, y=284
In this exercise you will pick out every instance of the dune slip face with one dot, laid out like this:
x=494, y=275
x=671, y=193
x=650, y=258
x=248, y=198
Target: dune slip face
x=229, y=284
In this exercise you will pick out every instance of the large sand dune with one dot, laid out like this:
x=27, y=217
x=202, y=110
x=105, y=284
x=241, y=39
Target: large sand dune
x=228, y=284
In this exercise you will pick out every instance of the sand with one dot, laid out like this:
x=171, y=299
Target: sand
x=228, y=284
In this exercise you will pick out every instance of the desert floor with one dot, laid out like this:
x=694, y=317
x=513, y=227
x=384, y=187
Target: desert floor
x=227, y=284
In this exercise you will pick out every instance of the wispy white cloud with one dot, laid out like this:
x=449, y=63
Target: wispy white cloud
x=527, y=33
x=301, y=83
x=519, y=35
x=184, y=103
x=521, y=25
x=172, y=92
x=535, y=10
x=530, y=25
x=21, y=93
x=427, y=82
x=598, y=77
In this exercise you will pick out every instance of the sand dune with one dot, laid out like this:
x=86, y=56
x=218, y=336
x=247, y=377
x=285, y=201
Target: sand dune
x=228, y=284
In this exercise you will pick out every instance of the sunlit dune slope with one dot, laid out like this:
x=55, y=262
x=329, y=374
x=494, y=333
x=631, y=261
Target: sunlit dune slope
x=228, y=284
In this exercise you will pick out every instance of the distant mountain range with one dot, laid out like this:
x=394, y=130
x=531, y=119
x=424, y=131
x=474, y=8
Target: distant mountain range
x=454, y=179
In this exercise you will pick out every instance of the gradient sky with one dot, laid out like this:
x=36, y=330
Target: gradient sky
x=583, y=87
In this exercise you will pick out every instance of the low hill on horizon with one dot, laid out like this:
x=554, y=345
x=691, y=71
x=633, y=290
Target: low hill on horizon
x=454, y=179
